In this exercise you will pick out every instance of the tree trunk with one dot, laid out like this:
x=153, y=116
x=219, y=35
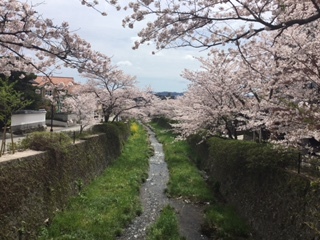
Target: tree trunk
x=81, y=129
x=106, y=117
x=12, y=143
x=260, y=135
x=229, y=131
x=3, y=143
x=235, y=126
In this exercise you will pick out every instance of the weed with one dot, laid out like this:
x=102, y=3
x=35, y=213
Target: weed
x=134, y=128
x=106, y=206
x=222, y=221
x=185, y=178
x=166, y=227
x=187, y=182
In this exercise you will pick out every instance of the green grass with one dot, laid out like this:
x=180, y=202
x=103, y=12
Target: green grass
x=223, y=222
x=185, y=178
x=107, y=205
x=186, y=182
x=166, y=227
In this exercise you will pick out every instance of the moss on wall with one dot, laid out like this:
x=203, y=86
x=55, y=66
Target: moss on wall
x=278, y=203
x=33, y=188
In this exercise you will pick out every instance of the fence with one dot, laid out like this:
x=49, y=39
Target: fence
x=11, y=148
x=308, y=164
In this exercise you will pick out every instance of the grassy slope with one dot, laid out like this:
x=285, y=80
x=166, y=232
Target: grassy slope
x=185, y=179
x=106, y=206
x=186, y=182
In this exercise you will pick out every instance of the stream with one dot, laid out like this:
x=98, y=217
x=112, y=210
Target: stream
x=154, y=199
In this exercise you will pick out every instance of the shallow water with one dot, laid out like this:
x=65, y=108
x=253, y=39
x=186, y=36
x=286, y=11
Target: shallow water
x=154, y=199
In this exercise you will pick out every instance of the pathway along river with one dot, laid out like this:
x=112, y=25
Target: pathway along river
x=154, y=199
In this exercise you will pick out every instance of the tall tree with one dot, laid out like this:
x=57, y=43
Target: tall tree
x=217, y=98
x=25, y=85
x=10, y=101
x=207, y=23
x=83, y=105
x=31, y=43
x=116, y=91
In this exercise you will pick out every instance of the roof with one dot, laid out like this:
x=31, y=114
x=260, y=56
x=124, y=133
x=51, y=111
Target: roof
x=57, y=81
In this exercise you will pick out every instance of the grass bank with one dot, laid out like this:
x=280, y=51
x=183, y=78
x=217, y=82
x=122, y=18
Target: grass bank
x=104, y=208
x=185, y=179
x=166, y=226
x=187, y=182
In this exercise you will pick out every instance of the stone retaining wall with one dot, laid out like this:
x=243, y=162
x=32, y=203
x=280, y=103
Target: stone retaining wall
x=33, y=188
x=279, y=204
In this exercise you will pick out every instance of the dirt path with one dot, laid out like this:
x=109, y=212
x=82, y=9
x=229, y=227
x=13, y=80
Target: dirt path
x=153, y=200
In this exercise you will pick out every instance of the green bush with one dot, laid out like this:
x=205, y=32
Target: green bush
x=162, y=122
x=47, y=141
x=267, y=157
x=200, y=149
x=123, y=129
x=233, y=156
x=117, y=134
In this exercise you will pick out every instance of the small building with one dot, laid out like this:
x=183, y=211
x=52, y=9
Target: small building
x=28, y=120
x=56, y=88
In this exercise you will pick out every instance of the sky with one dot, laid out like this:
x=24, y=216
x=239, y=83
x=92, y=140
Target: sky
x=160, y=71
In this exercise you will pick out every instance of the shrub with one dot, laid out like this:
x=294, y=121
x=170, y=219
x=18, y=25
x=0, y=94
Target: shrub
x=117, y=134
x=120, y=127
x=134, y=128
x=233, y=156
x=200, y=149
x=162, y=122
x=46, y=141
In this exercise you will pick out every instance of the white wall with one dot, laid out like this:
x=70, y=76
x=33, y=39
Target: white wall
x=28, y=119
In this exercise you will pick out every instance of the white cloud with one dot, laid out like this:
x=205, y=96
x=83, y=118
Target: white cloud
x=160, y=70
x=189, y=57
x=124, y=63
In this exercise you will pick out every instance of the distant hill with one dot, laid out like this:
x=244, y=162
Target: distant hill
x=164, y=95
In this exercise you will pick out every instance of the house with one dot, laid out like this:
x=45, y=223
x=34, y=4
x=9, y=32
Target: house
x=57, y=88
x=50, y=86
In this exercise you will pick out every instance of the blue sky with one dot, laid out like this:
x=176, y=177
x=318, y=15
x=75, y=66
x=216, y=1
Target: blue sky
x=106, y=34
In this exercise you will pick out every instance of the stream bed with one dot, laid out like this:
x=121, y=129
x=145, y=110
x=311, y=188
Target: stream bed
x=154, y=199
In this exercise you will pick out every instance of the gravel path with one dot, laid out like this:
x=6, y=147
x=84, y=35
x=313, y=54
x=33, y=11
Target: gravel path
x=154, y=199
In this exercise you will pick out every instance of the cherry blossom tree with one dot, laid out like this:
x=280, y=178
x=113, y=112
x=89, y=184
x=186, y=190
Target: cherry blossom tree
x=207, y=23
x=83, y=105
x=116, y=91
x=218, y=98
x=162, y=108
x=143, y=103
x=275, y=88
x=156, y=107
x=31, y=43
x=292, y=88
